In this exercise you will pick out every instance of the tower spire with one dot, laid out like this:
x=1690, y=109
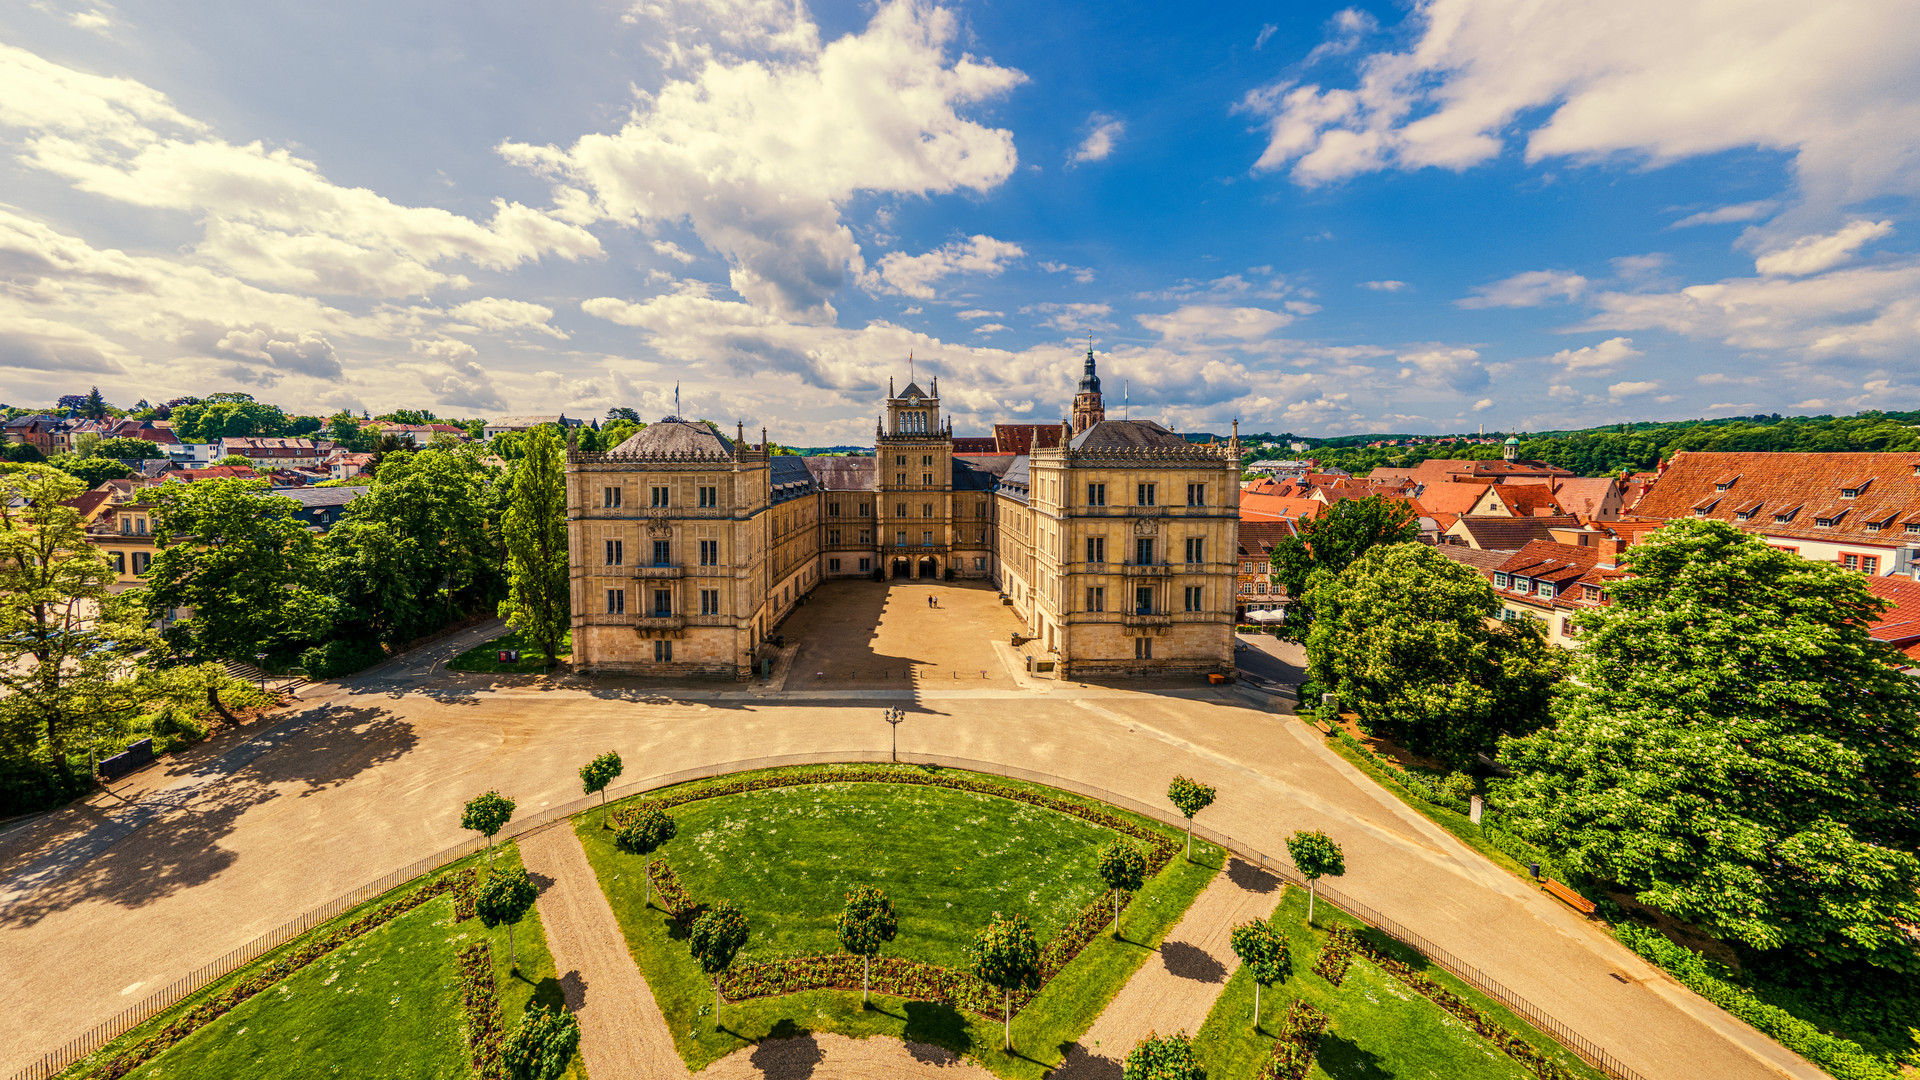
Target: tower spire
x=1087, y=407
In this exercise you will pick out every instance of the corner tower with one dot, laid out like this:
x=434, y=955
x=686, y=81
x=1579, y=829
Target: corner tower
x=1087, y=408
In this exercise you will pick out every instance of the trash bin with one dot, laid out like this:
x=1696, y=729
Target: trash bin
x=509, y=656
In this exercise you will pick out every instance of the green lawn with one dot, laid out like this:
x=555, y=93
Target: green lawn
x=387, y=1004
x=787, y=857
x=1380, y=1027
x=485, y=658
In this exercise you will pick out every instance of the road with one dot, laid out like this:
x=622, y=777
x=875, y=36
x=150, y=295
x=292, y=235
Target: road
x=368, y=775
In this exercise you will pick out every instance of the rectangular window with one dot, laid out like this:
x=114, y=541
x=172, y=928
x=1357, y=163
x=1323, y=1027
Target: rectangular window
x=1143, y=600
x=662, y=552
x=866, y=509
x=926, y=459
x=833, y=537
x=615, y=553
x=1870, y=564
x=926, y=479
x=709, y=497
x=833, y=509
x=709, y=553
x=833, y=566
x=1196, y=494
x=140, y=526
x=926, y=510
x=616, y=601
x=1196, y=549
x=141, y=561
x=900, y=537
x=866, y=564
x=1499, y=581
x=659, y=496
x=1096, y=494
x=663, y=651
x=926, y=539
x=1143, y=552
x=610, y=498
x=866, y=536
x=662, y=602
x=1543, y=588
x=1143, y=648
x=119, y=562
x=126, y=526
x=1851, y=562
x=1096, y=549
x=900, y=459
x=899, y=510
x=1096, y=598
x=900, y=479
x=980, y=564
x=709, y=601
x=1190, y=598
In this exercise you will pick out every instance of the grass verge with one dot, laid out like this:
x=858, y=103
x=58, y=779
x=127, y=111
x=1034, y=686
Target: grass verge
x=485, y=658
x=1042, y=1031
x=1379, y=1027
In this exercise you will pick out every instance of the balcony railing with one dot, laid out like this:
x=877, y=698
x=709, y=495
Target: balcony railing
x=659, y=570
x=1148, y=618
x=659, y=620
x=1153, y=569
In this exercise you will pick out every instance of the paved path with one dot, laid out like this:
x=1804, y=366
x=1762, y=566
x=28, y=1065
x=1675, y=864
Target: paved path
x=1177, y=986
x=375, y=782
x=623, y=1036
x=836, y=1057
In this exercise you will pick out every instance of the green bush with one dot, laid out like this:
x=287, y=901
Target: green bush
x=1845, y=1059
x=340, y=657
x=178, y=726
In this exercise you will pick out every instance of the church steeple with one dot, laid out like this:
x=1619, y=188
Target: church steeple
x=1087, y=407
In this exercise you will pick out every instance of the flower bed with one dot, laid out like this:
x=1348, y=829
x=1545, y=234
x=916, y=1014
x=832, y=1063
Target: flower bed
x=1336, y=956
x=459, y=883
x=479, y=999
x=674, y=897
x=1511, y=1044
x=1299, y=1042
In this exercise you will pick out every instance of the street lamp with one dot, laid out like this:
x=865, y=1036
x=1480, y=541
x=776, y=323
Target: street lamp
x=894, y=718
x=261, y=659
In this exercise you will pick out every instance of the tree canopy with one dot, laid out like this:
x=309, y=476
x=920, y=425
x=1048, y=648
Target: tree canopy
x=1331, y=541
x=1736, y=750
x=539, y=602
x=1403, y=637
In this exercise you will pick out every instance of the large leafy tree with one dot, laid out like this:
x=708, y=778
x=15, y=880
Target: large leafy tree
x=1332, y=541
x=66, y=643
x=1403, y=637
x=1734, y=749
x=90, y=471
x=124, y=449
x=421, y=545
x=229, y=417
x=243, y=563
x=538, y=602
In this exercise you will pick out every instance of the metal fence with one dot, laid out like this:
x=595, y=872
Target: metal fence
x=53, y=1062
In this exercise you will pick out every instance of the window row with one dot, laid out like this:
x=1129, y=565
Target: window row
x=1146, y=494
x=613, y=497
x=663, y=602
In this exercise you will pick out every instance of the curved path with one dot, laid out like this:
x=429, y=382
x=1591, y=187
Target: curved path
x=376, y=780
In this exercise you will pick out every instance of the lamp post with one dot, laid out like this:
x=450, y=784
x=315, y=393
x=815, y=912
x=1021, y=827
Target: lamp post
x=261, y=659
x=894, y=718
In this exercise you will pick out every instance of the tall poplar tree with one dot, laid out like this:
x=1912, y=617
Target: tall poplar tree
x=538, y=603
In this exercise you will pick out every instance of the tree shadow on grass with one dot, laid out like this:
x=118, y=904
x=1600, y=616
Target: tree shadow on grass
x=549, y=992
x=1344, y=1059
x=935, y=1024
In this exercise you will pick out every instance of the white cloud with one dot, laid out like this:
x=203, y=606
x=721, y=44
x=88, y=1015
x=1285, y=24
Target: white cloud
x=1483, y=404
x=1388, y=285
x=1266, y=32
x=1081, y=274
x=93, y=19
x=1103, y=132
x=1721, y=215
x=979, y=313
x=447, y=369
x=1073, y=318
x=915, y=275
x=1595, y=359
x=1530, y=289
x=988, y=328
x=1812, y=254
x=759, y=154
x=1631, y=389
x=672, y=251
x=1443, y=367
x=1196, y=322
x=1830, y=84
x=494, y=313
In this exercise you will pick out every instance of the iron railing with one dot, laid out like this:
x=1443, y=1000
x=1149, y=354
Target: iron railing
x=55, y=1061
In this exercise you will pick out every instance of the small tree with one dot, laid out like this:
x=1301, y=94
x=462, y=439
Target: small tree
x=1124, y=869
x=595, y=775
x=1265, y=955
x=866, y=923
x=715, y=939
x=543, y=1044
x=505, y=898
x=1316, y=856
x=646, y=829
x=487, y=814
x=1161, y=1057
x=1007, y=957
x=1189, y=797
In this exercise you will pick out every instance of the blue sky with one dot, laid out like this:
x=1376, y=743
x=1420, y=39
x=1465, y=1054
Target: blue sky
x=1324, y=219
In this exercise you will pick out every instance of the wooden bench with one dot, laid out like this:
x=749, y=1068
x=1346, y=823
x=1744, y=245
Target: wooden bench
x=1568, y=897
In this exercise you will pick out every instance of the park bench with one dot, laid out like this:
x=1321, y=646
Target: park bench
x=1568, y=897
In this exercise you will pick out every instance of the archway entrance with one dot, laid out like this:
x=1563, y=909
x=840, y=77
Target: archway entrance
x=929, y=569
x=901, y=567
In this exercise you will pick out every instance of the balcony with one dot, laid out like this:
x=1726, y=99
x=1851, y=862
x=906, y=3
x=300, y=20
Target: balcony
x=658, y=570
x=660, y=620
x=1155, y=569
x=1148, y=618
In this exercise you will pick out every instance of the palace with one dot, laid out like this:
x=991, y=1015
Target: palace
x=1115, y=543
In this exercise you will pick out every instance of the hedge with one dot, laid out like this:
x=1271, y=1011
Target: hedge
x=1844, y=1058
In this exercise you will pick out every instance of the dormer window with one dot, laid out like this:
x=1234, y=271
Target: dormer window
x=1500, y=580
x=1786, y=515
x=1726, y=482
x=1829, y=517
x=1745, y=512
x=1853, y=489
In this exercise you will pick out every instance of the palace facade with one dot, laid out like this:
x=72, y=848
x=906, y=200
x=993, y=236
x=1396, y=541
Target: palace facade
x=1115, y=544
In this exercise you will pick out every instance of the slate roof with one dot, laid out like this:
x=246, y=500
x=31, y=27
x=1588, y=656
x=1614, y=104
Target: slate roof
x=979, y=472
x=1125, y=435
x=1511, y=534
x=317, y=497
x=1442, y=470
x=1766, y=485
x=1015, y=482
x=913, y=390
x=841, y=473
x=789, y=478
x=682, y=437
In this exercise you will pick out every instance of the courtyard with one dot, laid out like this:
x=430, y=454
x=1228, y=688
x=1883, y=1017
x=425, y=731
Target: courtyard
x=901, y=634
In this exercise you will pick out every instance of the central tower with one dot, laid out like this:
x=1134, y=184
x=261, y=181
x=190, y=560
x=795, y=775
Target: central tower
x=1087, y=408
x=913, y=484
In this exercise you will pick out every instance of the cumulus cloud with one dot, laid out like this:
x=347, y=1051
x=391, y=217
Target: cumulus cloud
x=1530, y=289
x=1631, y=389
x=1442, y=367
x=1195, y=322
x=673, y=251
x=760, y=153
x=1072, y=318
x=1388, y=285
x=1594, y=359
x=1081, y=274
x=1812, y=254
x=916, y=275
x=1103, y=132
x=307, y=353
x=979, y=313
x=1829, y=84
x=449, y=371
x=32, y=344
x=494, y=313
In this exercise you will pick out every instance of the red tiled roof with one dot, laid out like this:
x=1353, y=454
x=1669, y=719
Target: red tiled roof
x=1900, y=623
x=1785, y=482
x=1451, y=498
x=1257, y=507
